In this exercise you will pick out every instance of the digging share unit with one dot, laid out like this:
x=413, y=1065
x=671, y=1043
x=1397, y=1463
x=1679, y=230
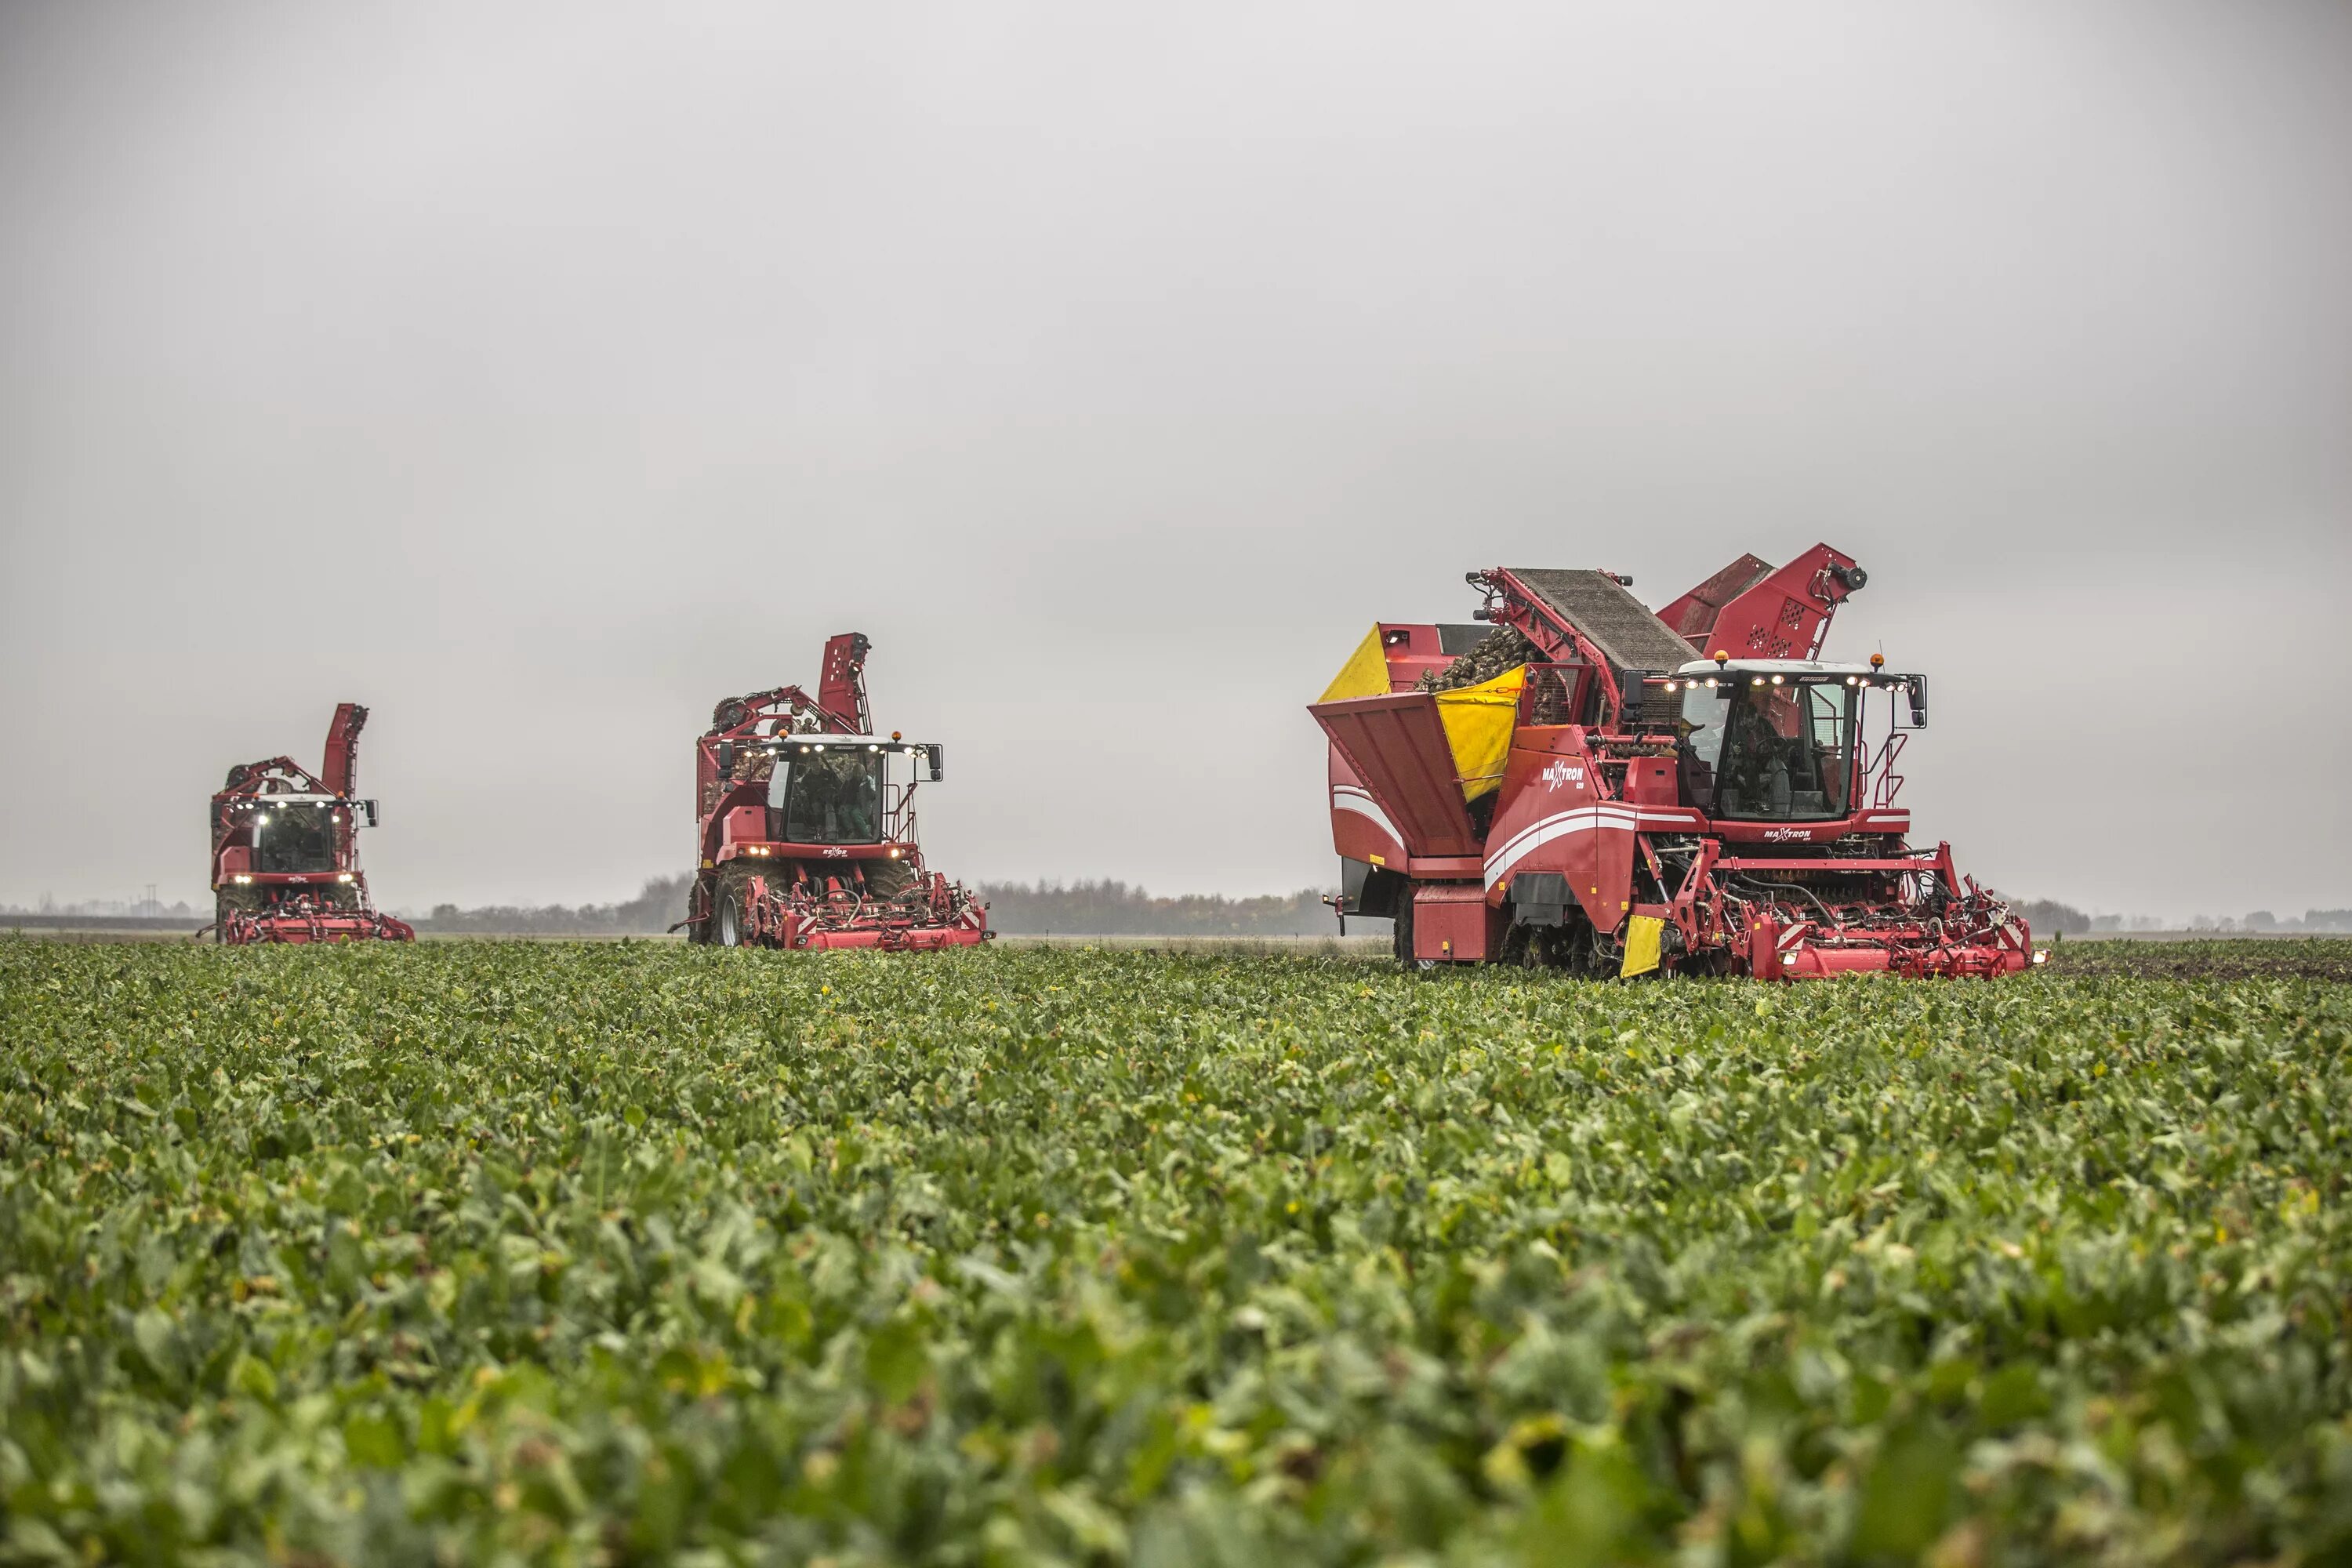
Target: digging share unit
x=286, y=852
x=805, y=825
x=1585, y=784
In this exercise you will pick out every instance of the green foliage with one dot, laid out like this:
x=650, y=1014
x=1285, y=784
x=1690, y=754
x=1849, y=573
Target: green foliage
x=624, y=1251
x=2210, y=958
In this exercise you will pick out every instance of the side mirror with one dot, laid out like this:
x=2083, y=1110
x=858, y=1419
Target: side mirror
x=365, y=812
x=726, y=758
x=1918, y=685
x=939, y=764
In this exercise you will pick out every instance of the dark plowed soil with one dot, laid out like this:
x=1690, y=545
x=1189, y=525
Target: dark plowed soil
x=2243, y=958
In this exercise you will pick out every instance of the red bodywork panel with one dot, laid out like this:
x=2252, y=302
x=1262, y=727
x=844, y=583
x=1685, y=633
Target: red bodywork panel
x=340, y=769
x=1751, y=610
x=1360, y=826
x=1594, y=817
x=1397, y=746
x=1452, y=924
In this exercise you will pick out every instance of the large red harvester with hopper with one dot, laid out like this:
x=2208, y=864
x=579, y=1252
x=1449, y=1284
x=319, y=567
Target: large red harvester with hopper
x=1584, y=785
x=804, y=828
x=286, y=853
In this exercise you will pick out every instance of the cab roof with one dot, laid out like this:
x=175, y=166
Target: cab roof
x=1775, y=666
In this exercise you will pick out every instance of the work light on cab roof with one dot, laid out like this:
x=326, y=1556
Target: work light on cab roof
x=1592, y=786
x=805, y=825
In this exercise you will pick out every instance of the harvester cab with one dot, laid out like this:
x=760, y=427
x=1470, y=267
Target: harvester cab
x=1583, y=784
x=806, y=828
x=285, y=849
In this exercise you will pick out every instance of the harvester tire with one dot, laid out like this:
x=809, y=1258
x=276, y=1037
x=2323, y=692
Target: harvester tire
x=728, y=924
x=1400, y=933
x=888, y=879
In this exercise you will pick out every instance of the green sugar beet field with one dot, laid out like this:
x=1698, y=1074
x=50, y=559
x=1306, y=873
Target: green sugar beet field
x=607, y=1253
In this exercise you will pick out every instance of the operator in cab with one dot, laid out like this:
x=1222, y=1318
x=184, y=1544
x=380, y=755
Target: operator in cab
x=1755, y=767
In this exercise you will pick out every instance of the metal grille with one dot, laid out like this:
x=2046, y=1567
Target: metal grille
x=1455, y=639
x=1619, y=625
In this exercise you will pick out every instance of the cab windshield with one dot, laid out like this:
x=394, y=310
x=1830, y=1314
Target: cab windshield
x=1758, y=752
x=825, y=794
x=295, y=839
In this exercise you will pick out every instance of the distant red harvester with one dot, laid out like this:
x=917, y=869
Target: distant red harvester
x=285, y=853
x=804, y=827
x=1613, y=801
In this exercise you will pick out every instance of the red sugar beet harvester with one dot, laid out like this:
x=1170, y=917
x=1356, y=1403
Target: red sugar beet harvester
x=805, y=825
x=1694, y=791
x=286, y=853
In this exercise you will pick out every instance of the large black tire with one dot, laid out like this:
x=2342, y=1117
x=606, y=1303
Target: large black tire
x=887, y=879
x=729, y=928
x=1401, y=934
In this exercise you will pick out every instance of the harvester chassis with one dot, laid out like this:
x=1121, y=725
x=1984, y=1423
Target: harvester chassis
x=1583, y=833
x=756, y=887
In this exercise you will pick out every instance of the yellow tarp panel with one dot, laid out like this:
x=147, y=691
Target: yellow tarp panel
x=1642, y=934
x=1366, y=673
x=1478, y=722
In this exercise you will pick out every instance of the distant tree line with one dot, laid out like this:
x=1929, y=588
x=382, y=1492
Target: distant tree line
x=659, y=905
x=1108, y=907
x=1075, y=908
x=1115, y=909
x=2262, y=920
x=2048, y=916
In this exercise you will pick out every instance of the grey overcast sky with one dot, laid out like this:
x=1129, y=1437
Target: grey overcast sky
x=538, y=374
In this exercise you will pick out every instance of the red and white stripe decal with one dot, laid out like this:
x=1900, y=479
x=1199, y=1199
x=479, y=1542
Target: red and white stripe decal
x=1582, y=819
x=1348, y=797
x=1550, y=829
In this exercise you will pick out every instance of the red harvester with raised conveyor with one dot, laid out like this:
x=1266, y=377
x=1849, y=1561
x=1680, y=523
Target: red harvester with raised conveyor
x=286, y=853
x=1583, y=784
x=805, y=825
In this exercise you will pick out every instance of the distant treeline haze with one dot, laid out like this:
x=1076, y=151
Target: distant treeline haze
x=1078, y=909
x=1115, y=909
x=658, y=906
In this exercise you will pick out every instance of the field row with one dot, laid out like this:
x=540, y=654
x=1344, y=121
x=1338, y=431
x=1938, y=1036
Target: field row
x=596, y=1251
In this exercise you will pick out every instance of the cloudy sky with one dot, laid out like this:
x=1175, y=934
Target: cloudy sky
x=540, y=375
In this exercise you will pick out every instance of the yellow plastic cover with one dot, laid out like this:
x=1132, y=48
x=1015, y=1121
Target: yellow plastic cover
x=1366, y=673
x=1478, y=719
x=1478, y=722
x=1642, y=933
